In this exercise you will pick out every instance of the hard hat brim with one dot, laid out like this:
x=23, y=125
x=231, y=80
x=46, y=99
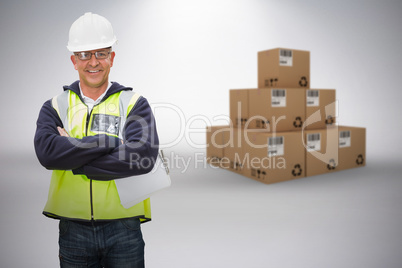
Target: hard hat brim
x=89, y=47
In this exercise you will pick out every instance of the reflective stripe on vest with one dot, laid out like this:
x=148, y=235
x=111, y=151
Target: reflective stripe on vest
x=75, y=196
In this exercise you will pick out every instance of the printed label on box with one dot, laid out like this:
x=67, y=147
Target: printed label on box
x=313, y=142
x=285, y=57
x=276, y=146
x=278, y=98
x=344, y=139
x=313, y=98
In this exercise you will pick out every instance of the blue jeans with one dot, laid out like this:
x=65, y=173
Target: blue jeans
x=117, y=244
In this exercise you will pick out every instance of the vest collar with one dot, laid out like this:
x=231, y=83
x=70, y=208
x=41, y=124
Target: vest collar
x=115, y=87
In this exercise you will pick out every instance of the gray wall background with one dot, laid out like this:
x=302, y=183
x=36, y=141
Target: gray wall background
x=188, y=54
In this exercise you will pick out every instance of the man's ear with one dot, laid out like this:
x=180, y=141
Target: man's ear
x=112, y=54
x=74, y=61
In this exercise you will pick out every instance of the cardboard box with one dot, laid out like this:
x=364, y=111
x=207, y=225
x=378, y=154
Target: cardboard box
x=276, y=109
x=215, y=143
x=320, y=108
x=281, y=67
x=238, y=107
x=352, y=147
x=334, y=148
x=273, y=157
x=322, y=154
x=233, y=151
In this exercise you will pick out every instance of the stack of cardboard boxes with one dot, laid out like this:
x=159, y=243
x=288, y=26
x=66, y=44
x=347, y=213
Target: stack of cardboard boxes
x=284, y=130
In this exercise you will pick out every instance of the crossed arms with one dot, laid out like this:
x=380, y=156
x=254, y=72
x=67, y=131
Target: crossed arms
x=100, y=157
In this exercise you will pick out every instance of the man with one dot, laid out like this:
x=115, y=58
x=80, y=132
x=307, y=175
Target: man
x=87, y=135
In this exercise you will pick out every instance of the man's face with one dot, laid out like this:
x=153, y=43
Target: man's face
x=93, y=72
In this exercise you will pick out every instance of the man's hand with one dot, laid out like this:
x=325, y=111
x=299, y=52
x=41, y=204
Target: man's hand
x=63, y=132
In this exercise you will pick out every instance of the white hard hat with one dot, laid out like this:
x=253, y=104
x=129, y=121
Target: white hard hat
x=89, y=32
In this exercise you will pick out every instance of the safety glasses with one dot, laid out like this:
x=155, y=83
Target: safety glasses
x=86, y=55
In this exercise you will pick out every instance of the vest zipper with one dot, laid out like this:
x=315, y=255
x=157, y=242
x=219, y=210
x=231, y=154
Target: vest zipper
x=90, y=180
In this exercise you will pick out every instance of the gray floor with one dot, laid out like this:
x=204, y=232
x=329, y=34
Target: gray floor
x=214, y=218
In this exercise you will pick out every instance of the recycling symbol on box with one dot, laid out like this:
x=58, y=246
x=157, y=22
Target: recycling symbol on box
x=360, y=159
x=297, y=170
x=303, y=81
x=298, y=122
x=330, y=120
x=331, y=165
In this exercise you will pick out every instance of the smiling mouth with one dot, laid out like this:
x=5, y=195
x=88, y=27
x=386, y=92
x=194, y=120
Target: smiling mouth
x=93, y=71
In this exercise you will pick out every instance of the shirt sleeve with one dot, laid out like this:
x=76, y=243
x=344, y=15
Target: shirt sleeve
x=65, y=153
x=136, y=156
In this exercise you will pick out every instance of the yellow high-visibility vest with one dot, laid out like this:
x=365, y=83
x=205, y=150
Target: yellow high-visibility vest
x=77, y=197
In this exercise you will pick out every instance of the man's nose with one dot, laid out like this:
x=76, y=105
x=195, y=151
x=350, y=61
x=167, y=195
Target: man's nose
x=93, y=61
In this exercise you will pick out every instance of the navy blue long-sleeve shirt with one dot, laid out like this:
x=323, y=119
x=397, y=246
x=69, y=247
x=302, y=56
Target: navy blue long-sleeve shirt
x=105, y=157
